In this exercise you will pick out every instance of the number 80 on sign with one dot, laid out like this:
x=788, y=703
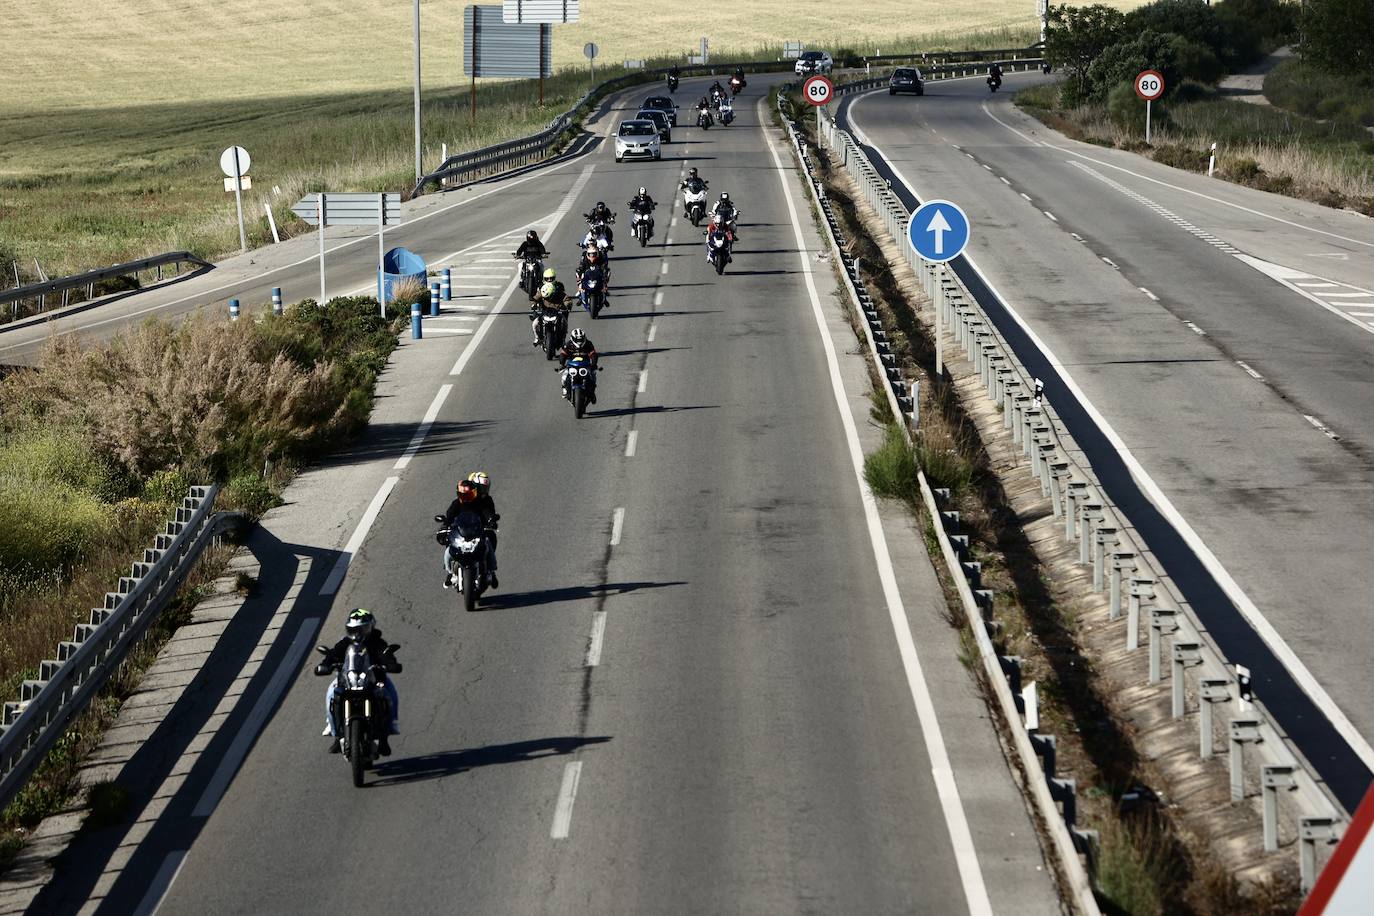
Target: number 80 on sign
x=818, y=90
x=1149, y=85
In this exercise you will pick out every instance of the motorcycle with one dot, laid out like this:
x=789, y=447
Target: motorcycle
x=466, y=540
x=994, y=83
x=727, y=112
x=359, y=707
x=531, y=269
x=592, y=291
x=737, y=85
x=579, y=384
x=694, y=202
x=718, y=244
x=704, y=118
x=672, y=83
x=553, y=328
x=641, y=224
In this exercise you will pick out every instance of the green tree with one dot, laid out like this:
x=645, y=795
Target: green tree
x=1075, y=36
x=1119, y=64
x=1338, y=35
x=1193, y=19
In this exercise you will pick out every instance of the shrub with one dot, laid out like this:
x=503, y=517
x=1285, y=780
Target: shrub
x=1191, y=91
x=1195, y=61
x=167, y=487
x=47, y=527
x=249, y=493
x=1182, y=157
x=52, y=453
x=1244, y=170
x=1127, y=110
x=892, y=469
x=1193, y=20
x=1120, y=63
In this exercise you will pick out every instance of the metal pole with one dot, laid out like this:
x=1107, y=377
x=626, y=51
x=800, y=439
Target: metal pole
x=419, y=170
x=939, y=341
x=238, y=200
x=320, y=205
x=1147, y=120
x=381, y=252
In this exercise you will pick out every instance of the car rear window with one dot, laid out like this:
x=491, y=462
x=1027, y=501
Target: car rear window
x=909, y=74
x=637, y=129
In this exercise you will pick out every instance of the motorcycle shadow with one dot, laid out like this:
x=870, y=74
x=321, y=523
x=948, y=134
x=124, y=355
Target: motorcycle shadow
x=655, y=408
x=506, y=600
x=451, y=763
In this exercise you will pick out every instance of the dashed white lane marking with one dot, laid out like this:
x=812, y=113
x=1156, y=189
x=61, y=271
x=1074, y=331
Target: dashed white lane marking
x=336, y=575
x=1026, y=196
x=1076, y=236
x=1249, y=371
x=986, y=166
x=1326, y=431
x=643, y=380
x=630, y=442
x=430, y=415
x=942, y=773
x=658, y=298
x=1052, y=216
x=653, y=331
x=1195, y=329
x=1110, y=262
x=664, y=269
x=672, y=222
x=1150, y=294
x=597, y=638
x=248, y=733
x=617, y=523
x=162, y=882
x=562, y=815
x=1004, y=181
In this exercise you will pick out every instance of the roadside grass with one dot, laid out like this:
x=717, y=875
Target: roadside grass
x=1272, y=149
x=1306, y=89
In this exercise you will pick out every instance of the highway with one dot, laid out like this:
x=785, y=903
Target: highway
x=1226, y=336
x=717, y=677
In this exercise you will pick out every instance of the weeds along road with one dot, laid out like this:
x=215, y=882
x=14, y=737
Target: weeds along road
x=688, y=694
x=1227, y=335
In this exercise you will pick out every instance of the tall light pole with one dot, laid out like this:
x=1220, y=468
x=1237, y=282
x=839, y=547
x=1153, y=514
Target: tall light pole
x=419, y=165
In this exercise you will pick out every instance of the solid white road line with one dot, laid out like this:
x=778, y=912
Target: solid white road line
x=428, y=422
x=643, y=380
x=597, y=638
x=965, y=855
x=267, y=701
x=617, y=523
x=1252, y=614
x=1248, y=371
x=336, y=575
x=630, y=442
x=166, y=873
x=562, y=815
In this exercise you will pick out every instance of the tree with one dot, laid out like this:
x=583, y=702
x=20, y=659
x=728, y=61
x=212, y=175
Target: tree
x=1119, y=64
x=1193, y=19
x=1336, y=35
x=1075, y=36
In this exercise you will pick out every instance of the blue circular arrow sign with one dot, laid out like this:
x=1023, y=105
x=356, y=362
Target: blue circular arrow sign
x=938, y=231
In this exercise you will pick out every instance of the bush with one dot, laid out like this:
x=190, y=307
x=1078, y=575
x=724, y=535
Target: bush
x=1194, y=61
x=1191, y=91
x=892, y=469
x=1243, y=170
x=1182, y=157
x=1119, y=64
x=250, y=494
x=48, y=453
x=1193, y=20
x=46, y=527
x=167, y=487
x=1127, y=110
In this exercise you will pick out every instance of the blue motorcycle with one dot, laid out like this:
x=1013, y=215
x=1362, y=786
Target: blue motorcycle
x=592, y=292
x=579, y=384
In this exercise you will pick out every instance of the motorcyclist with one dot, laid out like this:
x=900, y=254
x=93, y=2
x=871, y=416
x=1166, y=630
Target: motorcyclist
x=725, y=215
x=361, y=629
x=716, y=91
x=737, y=79
x=674, y=75
x=693, y=182
x=578, y=344
x=644, y=205
x=995, y=74
x=531, y=249
x=474, y=495
x=703, y=108
x=551, y=295
x=593, y=255
x=601, y=215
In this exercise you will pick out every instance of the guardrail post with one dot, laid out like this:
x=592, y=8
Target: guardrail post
x=433, y=300
x=276, y=301
x=1121, y=561
x=1311, y=831
x=996, y=375
x=1077, y=490
x=1010, y=387
x=1141, y=589
x=1186, y=655
x=233, y=310
x=1059, y=472
x=1020, y=404
x=1102, y=538
x=1089, y=515
x=415, y=330
x=446, y=285
x=1274, y=776
x=1065, y=791
x=1163, y=622
x=1243, y=732
x=1210, y=690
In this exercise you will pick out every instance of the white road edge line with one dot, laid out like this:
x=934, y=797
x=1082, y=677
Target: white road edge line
x=162, y=882
x=562, y=815
x=597, y=638
x=617, y=524
x=1248, y=609
x=336, y=575
x=961, y=839
x=630, y=442
x=428, y=422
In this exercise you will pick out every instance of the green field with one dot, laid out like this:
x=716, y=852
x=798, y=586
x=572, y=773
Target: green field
x=114, y=113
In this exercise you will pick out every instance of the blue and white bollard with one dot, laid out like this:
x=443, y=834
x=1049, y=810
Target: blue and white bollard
x=415, y=332
x=433, y=300
x=233, y=310
x=446, y=285
x=276, y=300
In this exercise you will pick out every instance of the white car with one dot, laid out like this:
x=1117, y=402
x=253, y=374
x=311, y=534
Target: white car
x=637, y=139
x=814, y=62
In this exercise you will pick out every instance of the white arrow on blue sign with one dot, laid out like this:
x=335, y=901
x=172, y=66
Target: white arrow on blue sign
x=938, y=231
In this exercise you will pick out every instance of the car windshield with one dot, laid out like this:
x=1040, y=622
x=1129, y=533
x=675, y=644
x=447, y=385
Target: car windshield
x=637, y=129
x=652, y=114
x=812, y=55
x=658, y=101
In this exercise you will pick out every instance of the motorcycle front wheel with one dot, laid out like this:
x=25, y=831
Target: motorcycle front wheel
x=550, y=344
x=579, y=402
x=720, y=264
x=469, y=590
x=357, y=754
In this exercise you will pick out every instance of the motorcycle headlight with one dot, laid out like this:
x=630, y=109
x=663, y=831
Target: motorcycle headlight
x=582, y=372
x=356, y=680
x=467, y=544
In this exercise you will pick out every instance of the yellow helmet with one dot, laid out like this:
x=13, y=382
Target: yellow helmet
x=547, y=290
x=481, y=479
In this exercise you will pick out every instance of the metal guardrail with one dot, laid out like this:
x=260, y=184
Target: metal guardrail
x=91, y=277
x=67, y=684
x=1260, y=756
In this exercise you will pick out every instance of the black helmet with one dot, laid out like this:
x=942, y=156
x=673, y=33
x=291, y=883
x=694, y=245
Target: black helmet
x=600, y=205
x=531, y=235
x=360, y=624
x=692, y=172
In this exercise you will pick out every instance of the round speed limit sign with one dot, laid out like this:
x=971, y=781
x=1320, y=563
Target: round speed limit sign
x=818, y=90
x=1149, y=85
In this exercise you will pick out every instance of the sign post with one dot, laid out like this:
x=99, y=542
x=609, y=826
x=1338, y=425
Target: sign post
x=818, y=90
x=234, y=162
x=938, y=232
x=1149, y=85
x=590, y=50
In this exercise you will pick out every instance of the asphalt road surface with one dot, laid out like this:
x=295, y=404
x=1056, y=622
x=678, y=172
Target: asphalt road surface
x=1227, y=336
x=686, y=696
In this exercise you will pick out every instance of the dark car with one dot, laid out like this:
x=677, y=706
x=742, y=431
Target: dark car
x=665, y=127
x=663, y=104
x=906, y=79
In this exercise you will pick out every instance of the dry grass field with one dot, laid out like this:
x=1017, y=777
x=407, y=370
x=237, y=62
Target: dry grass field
x=113, y=113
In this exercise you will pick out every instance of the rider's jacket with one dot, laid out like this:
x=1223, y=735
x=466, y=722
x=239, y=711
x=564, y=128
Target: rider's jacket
x=376, y=652
x=532, y=249
x=641, y=203
x=482, y=505
x=557, y=299
x=586, y=350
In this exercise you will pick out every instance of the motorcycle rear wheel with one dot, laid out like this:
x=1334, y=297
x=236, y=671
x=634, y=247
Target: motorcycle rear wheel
x=357, y=753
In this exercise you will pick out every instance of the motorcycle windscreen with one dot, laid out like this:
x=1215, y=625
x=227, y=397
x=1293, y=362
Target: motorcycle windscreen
x=468, y=525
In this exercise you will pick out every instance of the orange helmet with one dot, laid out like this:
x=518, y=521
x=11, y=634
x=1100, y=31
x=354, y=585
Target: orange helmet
x=467, y=491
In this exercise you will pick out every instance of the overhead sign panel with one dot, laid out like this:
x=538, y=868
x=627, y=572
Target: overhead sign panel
x=494, y=47
x=537, y=11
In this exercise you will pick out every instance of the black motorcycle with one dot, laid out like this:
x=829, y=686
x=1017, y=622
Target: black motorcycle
x=467, y=559
x=359, y=709
x=704, y=120
x=592, y=289
x=531, y=270
x=718, y=247
x=994, y=83
x=672, y=82
x=553, y=328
